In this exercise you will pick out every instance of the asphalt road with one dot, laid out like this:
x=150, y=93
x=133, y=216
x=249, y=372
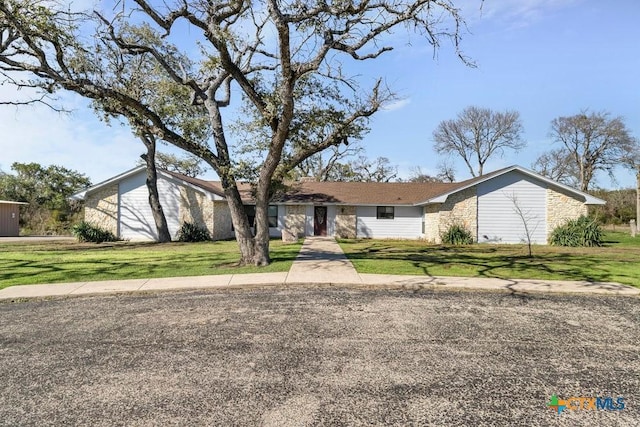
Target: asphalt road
x=317, y=356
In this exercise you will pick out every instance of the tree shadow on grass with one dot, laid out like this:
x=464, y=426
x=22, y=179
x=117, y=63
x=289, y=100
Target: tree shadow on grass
x=489, y=261
x=90, y=262
x=46, y=271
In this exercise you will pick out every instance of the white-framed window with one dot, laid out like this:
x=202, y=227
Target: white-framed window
x=272, y=214
x=385, y=212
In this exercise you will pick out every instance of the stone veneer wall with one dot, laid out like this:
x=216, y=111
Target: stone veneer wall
x=459, y=208
x=101, y=208
x=562, y=207
x=345, y=222
x=222, y=224
x=196, y=208
x=295, y=218
x=431, y=223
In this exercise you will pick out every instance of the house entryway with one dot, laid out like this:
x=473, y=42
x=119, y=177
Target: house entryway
x=320, y=221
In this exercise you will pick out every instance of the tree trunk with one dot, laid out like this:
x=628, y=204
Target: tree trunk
x=253, y=250
x=152, y=185
x=261, y=243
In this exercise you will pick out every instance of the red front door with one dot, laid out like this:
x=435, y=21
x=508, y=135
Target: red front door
x=320, y=221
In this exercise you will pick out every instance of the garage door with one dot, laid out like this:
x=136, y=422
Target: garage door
x=505, y=203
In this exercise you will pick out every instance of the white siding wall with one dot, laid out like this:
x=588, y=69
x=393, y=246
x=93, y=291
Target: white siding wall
x=407, y=223
x=135, y=220
x=308, y=229
x=169, y=192
x=498, y=220
x=331, y=220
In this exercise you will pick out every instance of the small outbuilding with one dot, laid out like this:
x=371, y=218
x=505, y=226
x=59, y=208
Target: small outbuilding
x=10, y=218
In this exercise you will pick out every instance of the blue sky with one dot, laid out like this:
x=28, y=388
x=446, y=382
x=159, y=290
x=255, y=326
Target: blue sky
x=542, y=58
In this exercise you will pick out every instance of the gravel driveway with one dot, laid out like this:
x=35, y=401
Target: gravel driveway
x=317, y=356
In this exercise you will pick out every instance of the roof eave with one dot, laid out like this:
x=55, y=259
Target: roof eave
x=80, y=195
x=211, y=195
x=589, y=199
x=438, y=199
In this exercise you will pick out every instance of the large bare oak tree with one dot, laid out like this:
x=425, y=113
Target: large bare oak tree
x=477, y=135
x=589, y=142
x=261, y=51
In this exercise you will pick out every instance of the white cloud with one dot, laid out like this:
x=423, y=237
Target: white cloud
x=397, y=105
x=77, y=141
x=517, y=13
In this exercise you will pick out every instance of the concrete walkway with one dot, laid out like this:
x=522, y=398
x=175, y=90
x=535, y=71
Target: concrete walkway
x=321, y=261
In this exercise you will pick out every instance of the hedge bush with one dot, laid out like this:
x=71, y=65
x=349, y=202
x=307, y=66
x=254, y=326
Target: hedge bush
x=583, y=231
x=190, y=232
x=86, y=232
x=457, y=235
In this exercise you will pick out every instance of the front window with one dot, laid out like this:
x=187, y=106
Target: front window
x=385, y=212
x=272, y=214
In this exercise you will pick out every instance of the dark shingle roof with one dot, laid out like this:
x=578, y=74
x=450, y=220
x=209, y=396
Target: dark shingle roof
x=363, y=193
x=348, y=193
x=352, y=193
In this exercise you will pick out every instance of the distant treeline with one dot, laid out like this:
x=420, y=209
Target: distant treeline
x=620, y=207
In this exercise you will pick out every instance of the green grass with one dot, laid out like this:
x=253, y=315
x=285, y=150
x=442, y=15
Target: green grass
x=55, y=262
x=617, y=261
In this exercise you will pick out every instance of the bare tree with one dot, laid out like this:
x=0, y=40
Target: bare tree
x=527, y=219
x=379, y=169
x=478, y=134
x=558, y=165
x=261, y=51
x=418, y=175
x=329, y=165
x=593, y=141
x=446, y=172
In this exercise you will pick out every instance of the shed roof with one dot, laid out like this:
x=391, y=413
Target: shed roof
x=9, y=202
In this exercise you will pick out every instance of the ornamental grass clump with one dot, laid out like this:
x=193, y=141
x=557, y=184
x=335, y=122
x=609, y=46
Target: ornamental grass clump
x=583, y=231
x=190, y=232
x=457, y=235
x=86, y=232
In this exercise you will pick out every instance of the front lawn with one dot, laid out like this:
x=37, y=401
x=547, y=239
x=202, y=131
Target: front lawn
x=55, y=262
x=617, y=261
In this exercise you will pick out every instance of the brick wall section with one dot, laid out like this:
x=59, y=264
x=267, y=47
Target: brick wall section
x=294, y=219
x=101, y=208
x=222, y=224
x=345, y=222
x=562, y=207
x=459, y=208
